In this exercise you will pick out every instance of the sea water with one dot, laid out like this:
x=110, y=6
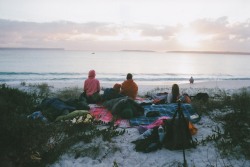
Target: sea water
x=154, y=68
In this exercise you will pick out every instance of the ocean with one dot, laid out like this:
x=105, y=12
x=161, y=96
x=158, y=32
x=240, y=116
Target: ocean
x=148, y=68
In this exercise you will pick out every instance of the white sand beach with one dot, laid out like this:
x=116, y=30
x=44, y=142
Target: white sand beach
x=122, y=152
x=47, y=49
x=229, y=86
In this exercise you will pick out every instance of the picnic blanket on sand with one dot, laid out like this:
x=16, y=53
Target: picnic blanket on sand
x=153, y=112
x=104, y=115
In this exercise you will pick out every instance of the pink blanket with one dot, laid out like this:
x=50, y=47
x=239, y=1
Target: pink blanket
x=104, y=115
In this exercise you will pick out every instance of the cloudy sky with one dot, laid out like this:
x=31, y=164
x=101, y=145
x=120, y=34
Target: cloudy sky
x=160, y=25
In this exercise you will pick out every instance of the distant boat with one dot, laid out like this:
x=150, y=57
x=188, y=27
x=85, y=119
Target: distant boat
x=93, y=53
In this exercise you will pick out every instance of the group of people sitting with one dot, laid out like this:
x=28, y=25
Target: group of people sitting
x=121, y=99
x=91, y=90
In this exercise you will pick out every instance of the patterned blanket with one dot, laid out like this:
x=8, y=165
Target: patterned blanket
x=153, y=112
x=104, y=115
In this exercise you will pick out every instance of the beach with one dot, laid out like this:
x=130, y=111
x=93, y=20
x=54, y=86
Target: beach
x=125, y=154
x=122, y=152
x=48, y=49
x=230, y=86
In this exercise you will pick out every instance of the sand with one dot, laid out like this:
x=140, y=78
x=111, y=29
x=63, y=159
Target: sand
x=126, y=156
x=122, y=152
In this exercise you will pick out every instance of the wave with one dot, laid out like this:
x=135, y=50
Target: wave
x=110, y=77
x=34, y=73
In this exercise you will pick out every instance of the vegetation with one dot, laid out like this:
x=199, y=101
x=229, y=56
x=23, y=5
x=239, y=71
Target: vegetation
x=234, y=138
x=26, y=142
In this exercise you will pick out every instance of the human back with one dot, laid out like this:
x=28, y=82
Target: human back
x=112, y=93
x=175, y=95
x=129, y=87
x=91, y=86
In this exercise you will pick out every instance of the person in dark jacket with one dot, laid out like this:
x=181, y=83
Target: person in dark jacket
x=112, y=93
x=191, y=80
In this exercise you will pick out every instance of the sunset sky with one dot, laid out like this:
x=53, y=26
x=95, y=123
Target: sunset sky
x=111, y=25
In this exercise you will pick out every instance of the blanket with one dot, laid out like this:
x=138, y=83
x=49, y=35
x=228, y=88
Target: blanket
x=82, y=114
x=104, y=115
x=153, y=112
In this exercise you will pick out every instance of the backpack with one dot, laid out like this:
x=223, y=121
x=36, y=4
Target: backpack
x=178, y=135
x=149, y=143
x=202, y=96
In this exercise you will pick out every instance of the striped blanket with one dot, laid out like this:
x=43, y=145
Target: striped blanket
x=154, y=112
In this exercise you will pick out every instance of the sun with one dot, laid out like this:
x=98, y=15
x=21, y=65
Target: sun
x=189, y=38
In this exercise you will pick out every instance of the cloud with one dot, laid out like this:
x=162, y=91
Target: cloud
x=215, y=34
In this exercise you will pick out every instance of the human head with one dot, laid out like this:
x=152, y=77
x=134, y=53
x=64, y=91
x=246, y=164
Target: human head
x=129, y=76
x=117, y=87
x=175, y=92
x=92, y=74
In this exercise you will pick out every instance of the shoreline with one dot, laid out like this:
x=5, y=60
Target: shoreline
x=230, y=86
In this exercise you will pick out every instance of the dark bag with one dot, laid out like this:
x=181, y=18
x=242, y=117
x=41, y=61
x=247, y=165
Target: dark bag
x=202, y=97
x=148, y=144
x=178, y=135
x=94, y=98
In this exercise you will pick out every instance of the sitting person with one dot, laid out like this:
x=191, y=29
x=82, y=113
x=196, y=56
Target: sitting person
x=174, y=96
x=129, y=87
x=191, y=80
x=112, y=93
x=92, y=88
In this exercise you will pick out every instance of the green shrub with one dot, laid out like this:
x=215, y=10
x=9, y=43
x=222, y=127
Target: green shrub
x=68, y=93
x=236, y=125
x=19, y=136
x=26, y=142
x=235, y=118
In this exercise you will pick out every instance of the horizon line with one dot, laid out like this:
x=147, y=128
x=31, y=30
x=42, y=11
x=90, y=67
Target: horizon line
x=130, y=50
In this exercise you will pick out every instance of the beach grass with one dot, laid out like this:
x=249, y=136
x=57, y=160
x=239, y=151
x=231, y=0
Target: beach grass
x=26, y=142
x=31, y=142
x=236, y=137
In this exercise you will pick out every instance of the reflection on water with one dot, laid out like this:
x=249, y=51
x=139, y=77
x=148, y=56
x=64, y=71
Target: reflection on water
x=113, y=66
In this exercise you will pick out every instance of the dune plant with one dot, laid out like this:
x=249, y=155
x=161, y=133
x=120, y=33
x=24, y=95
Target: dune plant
x=68, y=93
x=236, y=126
x=26, y=142
x=234, y=139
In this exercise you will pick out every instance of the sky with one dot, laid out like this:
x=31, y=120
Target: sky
x=112, y=25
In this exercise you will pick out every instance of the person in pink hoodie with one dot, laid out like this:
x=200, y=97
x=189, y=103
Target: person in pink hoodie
x=92, y=88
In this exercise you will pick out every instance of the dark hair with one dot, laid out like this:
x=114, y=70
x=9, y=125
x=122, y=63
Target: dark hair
x=175, y=92
x=129, y=76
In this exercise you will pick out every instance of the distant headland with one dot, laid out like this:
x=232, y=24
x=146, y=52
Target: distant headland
x=24, y=48
x=211, y=52
x=193, y=52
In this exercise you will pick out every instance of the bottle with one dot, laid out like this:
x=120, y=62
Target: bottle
x=145, y=134
x=161, y=133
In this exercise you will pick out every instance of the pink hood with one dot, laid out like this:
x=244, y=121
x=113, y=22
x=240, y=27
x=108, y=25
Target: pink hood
x=92, y=74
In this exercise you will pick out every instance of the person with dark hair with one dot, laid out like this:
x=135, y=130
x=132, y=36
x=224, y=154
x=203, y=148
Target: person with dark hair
x=175, y=95
x=112, y=93
x=92, y=88
x=129, y=87
x=191, y=80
